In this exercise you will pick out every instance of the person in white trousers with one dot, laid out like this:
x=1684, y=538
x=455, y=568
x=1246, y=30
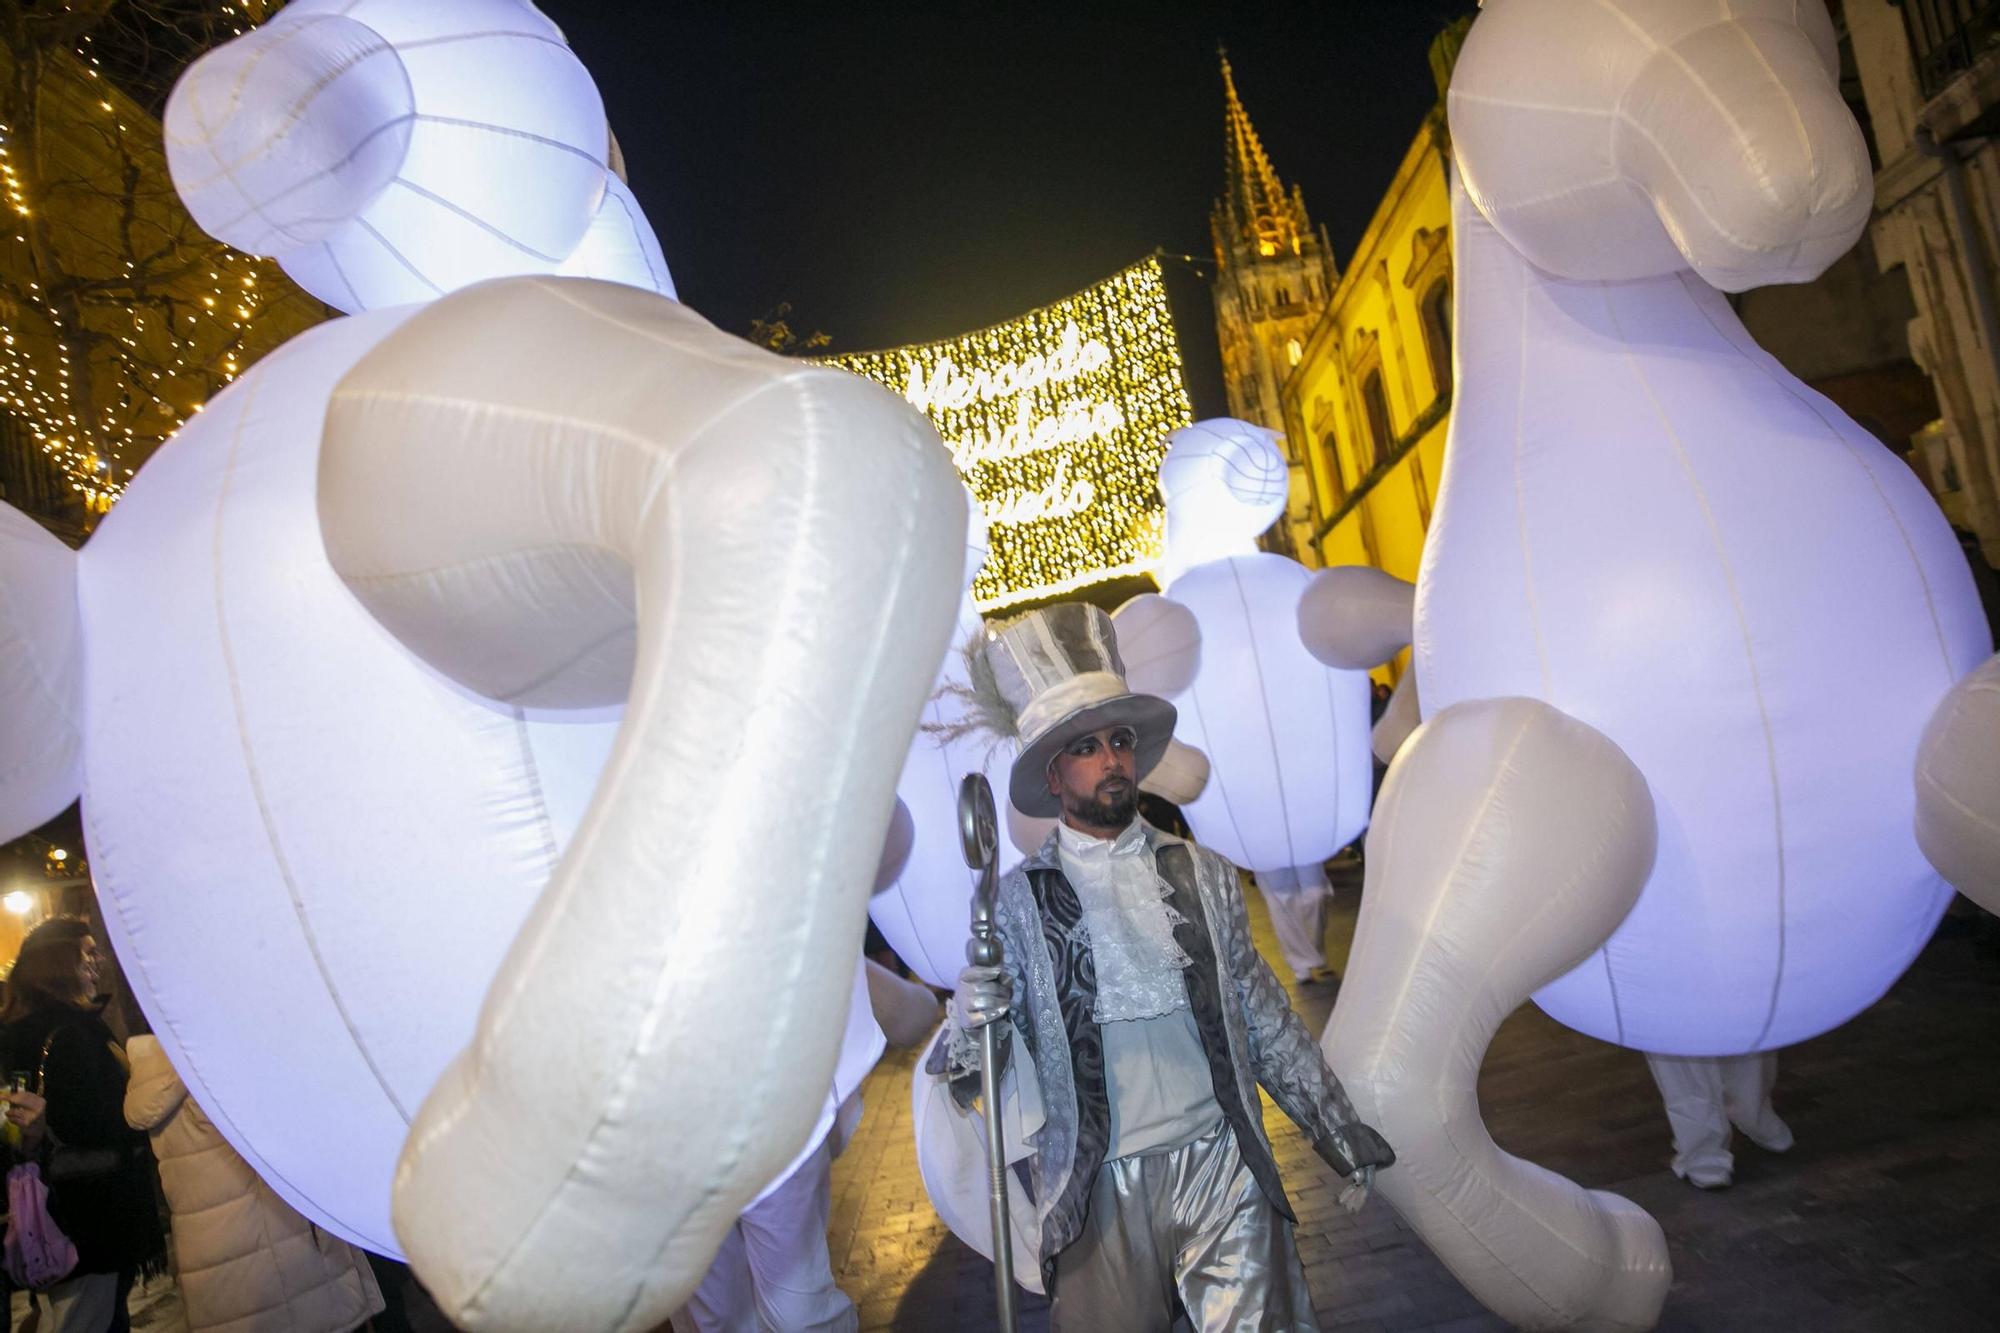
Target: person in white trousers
x=773, y=1273
x=1705, y=1096
x=1297, y=899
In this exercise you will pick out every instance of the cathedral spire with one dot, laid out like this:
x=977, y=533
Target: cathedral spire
x=1260, y=213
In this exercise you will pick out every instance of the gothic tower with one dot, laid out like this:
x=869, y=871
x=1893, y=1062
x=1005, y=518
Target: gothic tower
x=1274, y=272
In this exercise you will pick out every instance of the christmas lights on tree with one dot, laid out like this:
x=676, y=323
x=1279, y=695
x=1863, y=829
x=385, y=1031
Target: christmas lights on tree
x=123, y=318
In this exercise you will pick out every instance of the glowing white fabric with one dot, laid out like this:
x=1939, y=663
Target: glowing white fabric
x=388, y=152
x=862, y=1042
x=926, y=914
x=1508, y=840
x=1611, y=543
x=370, y=835
x=1958, y=787
x=1225, y=482
x=41, y=676
x=1667, y=590
x=1577, y=127
x=620, y=245
x=1160, y=643
x=1356, y=617
x=701, y=933
x=1287, y=738
x=279, y=139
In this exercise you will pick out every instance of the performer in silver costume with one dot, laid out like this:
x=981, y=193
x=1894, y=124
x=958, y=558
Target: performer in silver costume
x=1147, y=1016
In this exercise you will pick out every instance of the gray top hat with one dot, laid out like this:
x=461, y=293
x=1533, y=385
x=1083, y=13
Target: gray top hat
x=1059, y=672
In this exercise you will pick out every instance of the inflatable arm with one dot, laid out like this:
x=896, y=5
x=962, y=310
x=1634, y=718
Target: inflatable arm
x=41, y=676
x=1354, y=618
x=1159, y=641
x=1958, y=787
x=1509, y=842
x=764, y=549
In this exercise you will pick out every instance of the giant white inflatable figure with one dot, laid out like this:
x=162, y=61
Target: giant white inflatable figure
x=401, y=893
x=1680, y=627
x=1286, y=736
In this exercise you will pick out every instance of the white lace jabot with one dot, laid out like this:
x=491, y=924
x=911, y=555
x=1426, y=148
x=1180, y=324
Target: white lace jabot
x=1129, y=923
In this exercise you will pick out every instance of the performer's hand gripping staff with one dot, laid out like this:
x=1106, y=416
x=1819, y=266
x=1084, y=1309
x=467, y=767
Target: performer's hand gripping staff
x=984, y=995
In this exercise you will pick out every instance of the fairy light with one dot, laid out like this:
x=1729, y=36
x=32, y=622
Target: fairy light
x=1057, y=421
x=175, y=361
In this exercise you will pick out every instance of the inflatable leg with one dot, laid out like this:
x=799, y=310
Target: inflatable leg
x=1509, y=842
x=566, y=493
x=1958, y=787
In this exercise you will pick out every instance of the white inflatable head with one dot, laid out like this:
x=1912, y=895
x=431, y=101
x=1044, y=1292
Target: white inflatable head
x=1618, y=139
x=280, y=138
x=386, y=152
x=1224, y=482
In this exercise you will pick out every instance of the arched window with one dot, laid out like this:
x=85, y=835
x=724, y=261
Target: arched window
x=1284, y=296
x=1331, y=445
x=1435, y=313
x=1375, y=404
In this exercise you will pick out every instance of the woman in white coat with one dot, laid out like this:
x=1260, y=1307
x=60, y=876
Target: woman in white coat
x=246, y=1262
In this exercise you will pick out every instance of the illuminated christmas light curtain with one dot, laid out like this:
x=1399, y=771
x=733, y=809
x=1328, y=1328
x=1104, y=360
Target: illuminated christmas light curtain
x=1057, y=421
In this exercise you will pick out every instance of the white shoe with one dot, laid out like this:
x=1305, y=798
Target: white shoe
x=1774, y=1135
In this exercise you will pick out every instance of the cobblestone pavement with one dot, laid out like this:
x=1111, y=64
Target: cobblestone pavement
x=1886, y=1216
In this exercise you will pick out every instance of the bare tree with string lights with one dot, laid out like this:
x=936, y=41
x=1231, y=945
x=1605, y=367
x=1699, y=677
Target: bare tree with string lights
x=118, y=316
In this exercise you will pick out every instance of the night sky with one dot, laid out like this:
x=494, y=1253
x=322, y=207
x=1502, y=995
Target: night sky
x=901, y=172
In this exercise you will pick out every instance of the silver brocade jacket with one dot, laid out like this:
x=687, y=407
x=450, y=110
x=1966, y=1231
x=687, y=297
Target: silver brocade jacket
x=1248, y=1032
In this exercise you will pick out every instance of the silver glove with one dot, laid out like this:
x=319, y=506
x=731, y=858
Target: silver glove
x=984, y=996
x=1356, y=1193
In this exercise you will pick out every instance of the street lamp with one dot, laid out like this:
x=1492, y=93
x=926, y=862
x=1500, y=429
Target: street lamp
x=19, y=902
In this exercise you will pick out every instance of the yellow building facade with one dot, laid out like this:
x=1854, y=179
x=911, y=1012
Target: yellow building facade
x=1369, y=402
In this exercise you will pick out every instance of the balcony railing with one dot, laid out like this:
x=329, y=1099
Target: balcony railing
x=1948, y=36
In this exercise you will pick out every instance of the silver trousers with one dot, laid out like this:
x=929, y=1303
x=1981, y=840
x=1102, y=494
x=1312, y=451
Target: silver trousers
x=1189, y=1222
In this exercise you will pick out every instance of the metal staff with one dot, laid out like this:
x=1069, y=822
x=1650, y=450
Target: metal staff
x=979, y=834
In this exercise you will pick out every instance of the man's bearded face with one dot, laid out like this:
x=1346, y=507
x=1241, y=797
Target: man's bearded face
x=1096, y=778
